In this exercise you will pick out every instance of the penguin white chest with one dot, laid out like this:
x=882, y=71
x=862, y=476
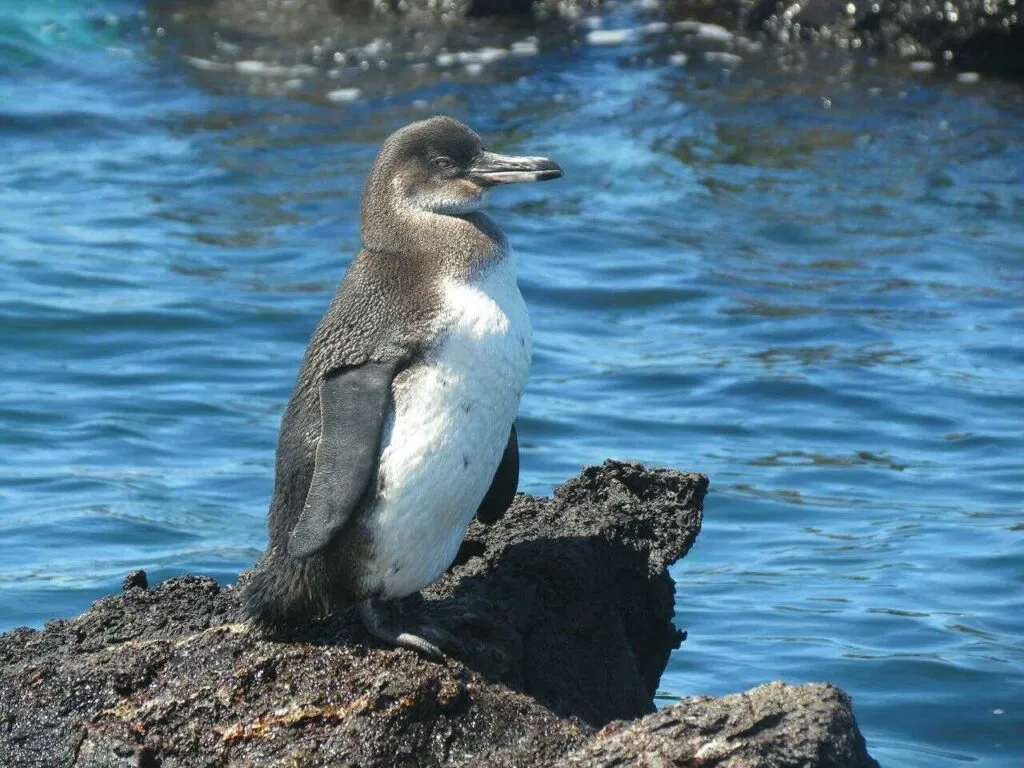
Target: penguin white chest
x=448, y=429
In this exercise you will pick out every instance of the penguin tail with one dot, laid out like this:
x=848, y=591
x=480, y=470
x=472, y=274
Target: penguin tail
x=280, y=594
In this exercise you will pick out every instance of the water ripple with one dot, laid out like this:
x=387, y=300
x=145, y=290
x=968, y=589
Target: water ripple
x=807, y=284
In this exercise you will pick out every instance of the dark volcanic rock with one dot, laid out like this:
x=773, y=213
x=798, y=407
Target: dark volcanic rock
x=582, y=578
x=564, y=608
x=305, y=19
x=772, y=726
x=977, y=35
x=985, y=36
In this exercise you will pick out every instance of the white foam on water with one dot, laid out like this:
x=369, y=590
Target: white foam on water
x=247, y=67
x=714, y=32
x=374, y=47
x=206, y=64
x=526, y=47
x=343, y=95
x=922, y=66
x=482, y=55
x=721, y=57
x=261, y=68
x=475, y=58
x=704, y=31
x=678, y=59
x=610, y=36
x=968, y=77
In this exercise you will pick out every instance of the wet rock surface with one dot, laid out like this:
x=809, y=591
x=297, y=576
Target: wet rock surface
x=564, y=608
x=981, y=36
x=771, y=726
x=985, y=36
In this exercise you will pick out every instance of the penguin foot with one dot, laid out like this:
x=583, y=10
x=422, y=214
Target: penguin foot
x=456, y=613
x=381, y=628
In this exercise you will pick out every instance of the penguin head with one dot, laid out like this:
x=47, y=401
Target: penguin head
x=441, y=166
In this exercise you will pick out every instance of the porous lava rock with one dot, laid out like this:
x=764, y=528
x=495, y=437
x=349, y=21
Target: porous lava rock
x=983, y=36
x=771, y=726
x=564, y=609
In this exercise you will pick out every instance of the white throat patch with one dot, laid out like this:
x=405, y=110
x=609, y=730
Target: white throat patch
x=428, y=202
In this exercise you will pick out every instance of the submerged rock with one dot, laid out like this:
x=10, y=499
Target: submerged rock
x=564, y=608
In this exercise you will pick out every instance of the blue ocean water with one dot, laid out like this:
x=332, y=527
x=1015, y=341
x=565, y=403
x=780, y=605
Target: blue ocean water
x=801, y=274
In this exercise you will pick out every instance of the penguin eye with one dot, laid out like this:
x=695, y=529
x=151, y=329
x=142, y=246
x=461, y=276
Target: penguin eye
x=444, y=163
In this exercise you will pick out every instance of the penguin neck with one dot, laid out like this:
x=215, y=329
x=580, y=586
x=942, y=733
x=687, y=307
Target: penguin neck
x=459, y=243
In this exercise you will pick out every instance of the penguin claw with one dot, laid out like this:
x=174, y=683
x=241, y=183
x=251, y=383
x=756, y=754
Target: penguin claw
x=379, y=626
x=417, y=643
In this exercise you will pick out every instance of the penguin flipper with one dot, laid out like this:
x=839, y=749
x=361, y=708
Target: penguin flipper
x=353, y=405
x=503, y=486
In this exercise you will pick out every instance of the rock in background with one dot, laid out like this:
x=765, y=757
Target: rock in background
x=985, y=36
x=564, y=608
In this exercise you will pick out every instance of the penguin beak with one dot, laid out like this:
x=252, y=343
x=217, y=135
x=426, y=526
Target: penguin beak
x=490, y=168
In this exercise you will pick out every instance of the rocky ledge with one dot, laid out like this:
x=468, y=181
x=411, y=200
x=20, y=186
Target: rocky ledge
x=564, y=608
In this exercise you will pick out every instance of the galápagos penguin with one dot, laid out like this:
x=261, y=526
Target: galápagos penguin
x=400, y=426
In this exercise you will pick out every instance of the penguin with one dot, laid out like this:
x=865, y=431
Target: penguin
x=400, y=425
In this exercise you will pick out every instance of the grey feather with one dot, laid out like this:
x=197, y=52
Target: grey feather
x=353, y=407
